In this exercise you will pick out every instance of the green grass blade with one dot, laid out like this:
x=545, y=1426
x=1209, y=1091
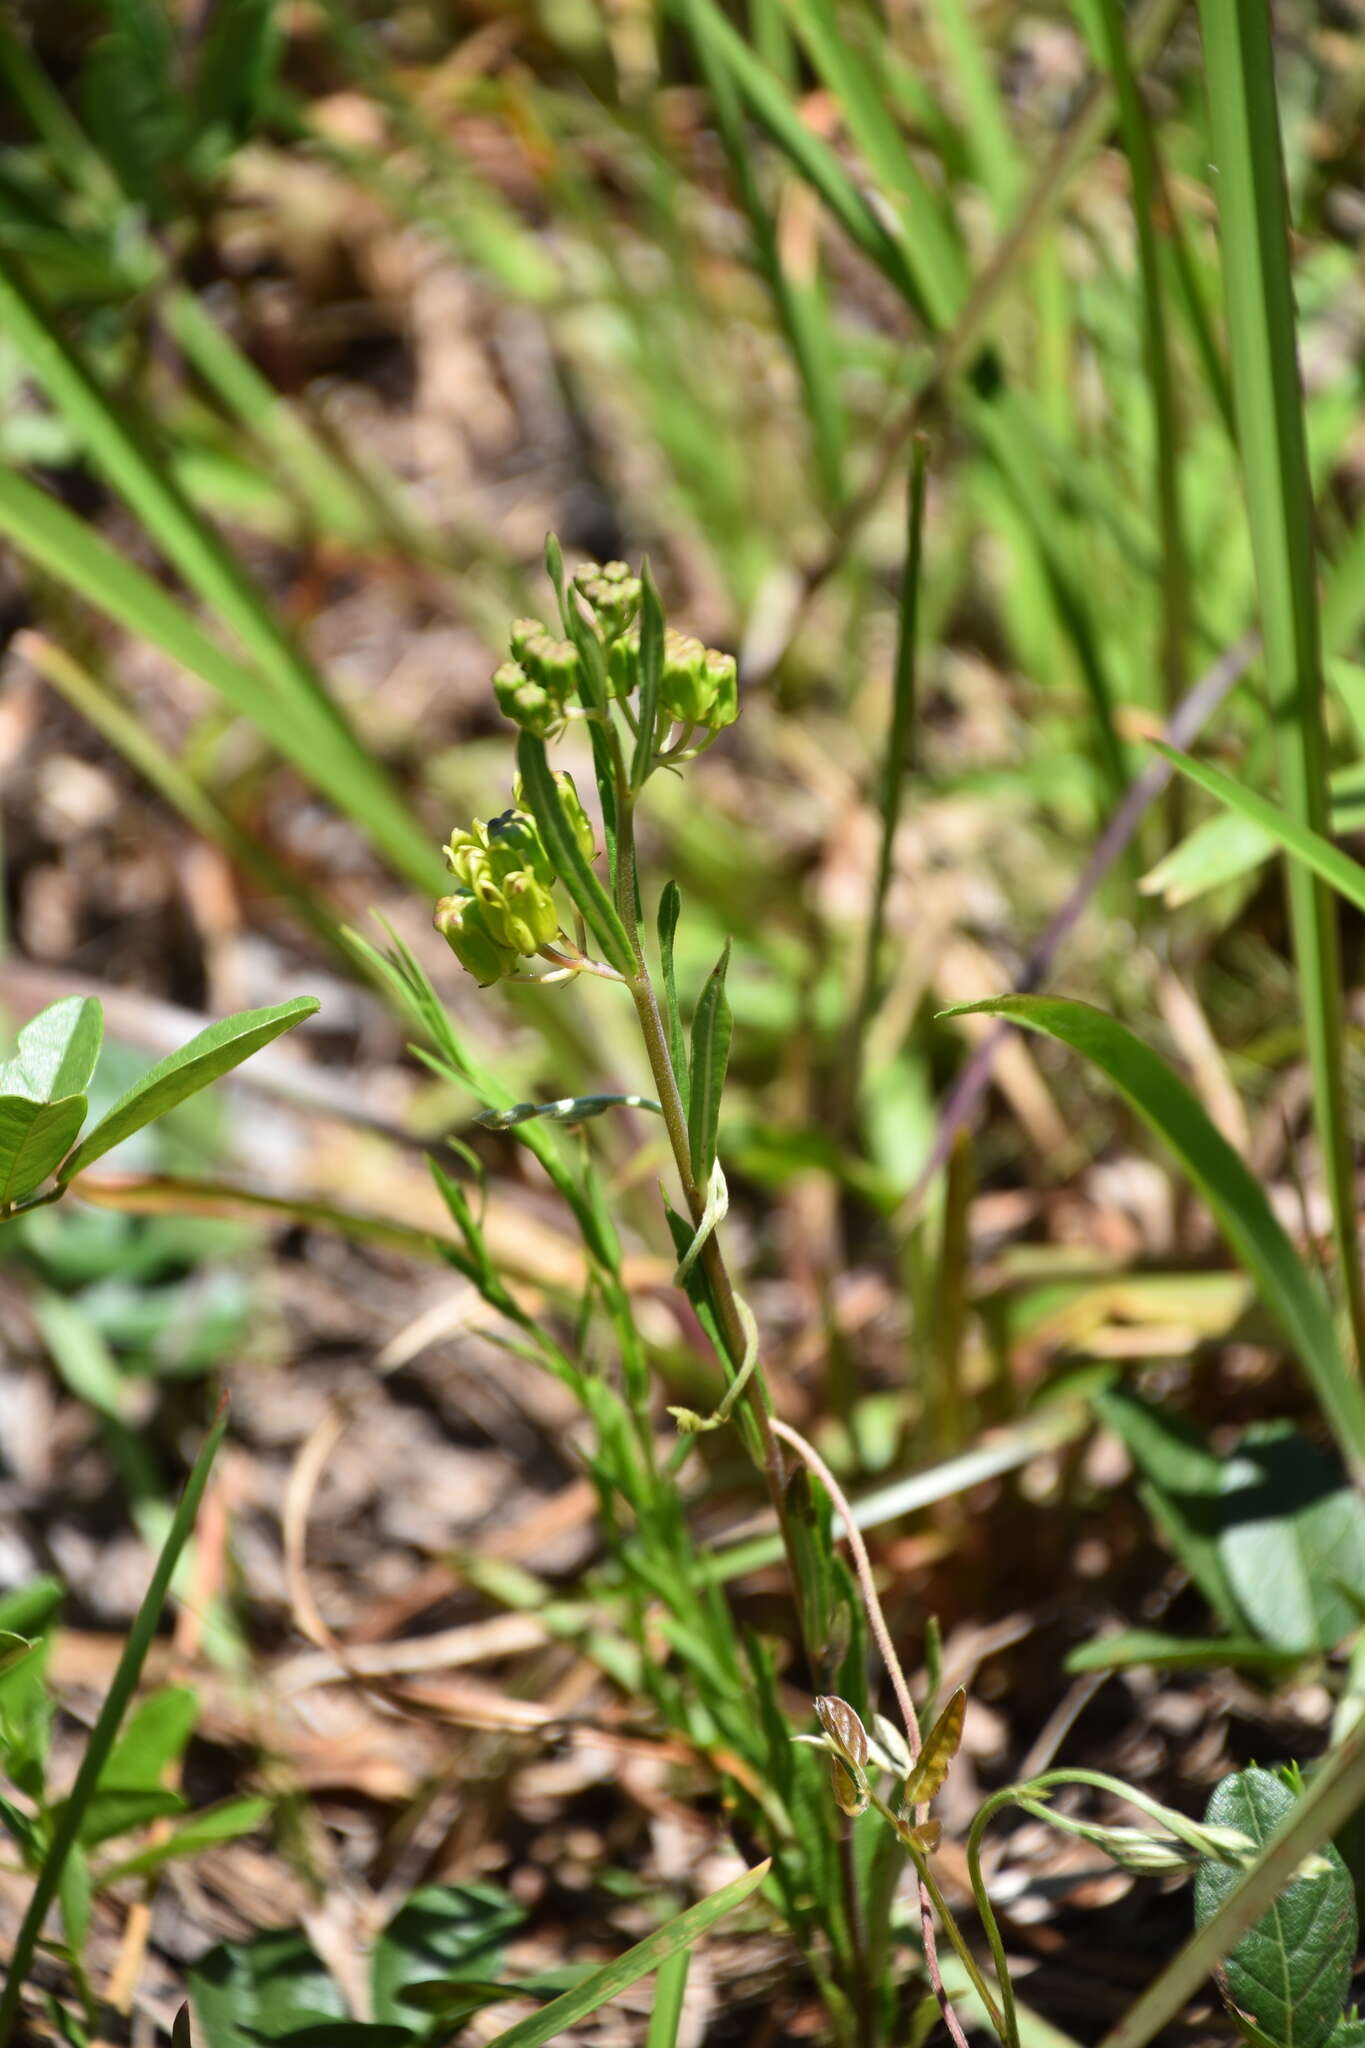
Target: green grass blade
x=651, y=1954
x=105, y=1730
x=64, y=547
x=208, y=567
x=1336, y=868
x=1233, y=1194
x=768, y=102
x=670, y=1987
x=651, y=673
x=1254, y=231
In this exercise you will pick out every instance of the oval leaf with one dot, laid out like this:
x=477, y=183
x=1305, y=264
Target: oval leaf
x=442, y=1931
x=35, y=1137
x=56, y=1051
x=1289, y=1974
x=1292, y=1540
x=1235, y=1196
x=216, y=1051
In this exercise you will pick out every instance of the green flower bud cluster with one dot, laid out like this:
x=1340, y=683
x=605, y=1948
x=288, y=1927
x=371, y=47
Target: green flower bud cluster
x=503, y=905
x=698, y=685
x=534, y=687
x=612, y=593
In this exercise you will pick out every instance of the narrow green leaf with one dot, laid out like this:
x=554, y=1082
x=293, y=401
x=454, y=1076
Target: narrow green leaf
x=670, y=1988
x=710, y=1059
x=119, y=1810
x=651, y=671
x=63, y=546
x=592, y=659
x=56, y=1051
x=1345, y=875
x=599, y=912
x=1234, y=1195
x=105, y=1730
x=213, y=1052
x=1290, y=1972
x=1135, y=1646
x=1292, y=1540
x=648, y=1955
x=670, y=910
x=154, y=1739
x=35, y=1137
x=221, y=1823
x=1253, y=224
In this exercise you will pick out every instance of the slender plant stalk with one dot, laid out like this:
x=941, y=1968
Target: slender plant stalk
x=1254, y=224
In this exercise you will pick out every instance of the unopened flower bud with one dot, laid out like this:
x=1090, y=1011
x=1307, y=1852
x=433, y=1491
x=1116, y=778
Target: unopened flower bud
x=514, y=845
x=528, y=919
x=553, y=664
x=526, y=702
x=623, y=663
x=612, y=592
x=683, y=688
x=722, y=676
x=462, y=923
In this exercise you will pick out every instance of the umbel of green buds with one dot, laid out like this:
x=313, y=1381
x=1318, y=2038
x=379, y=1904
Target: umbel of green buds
x=503, y=906
x=612, y=594
x=697, y=686
x=533, y=688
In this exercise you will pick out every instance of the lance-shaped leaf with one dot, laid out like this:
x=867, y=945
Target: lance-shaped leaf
x=940, y=1747
x=710, y=1058
x=1345, y=875
x=216, y=1051
x=35, y=1137
x=1234, y=1195
x=670, y=910
x=598, y=910
x=56, y=1051
x=651, y=672
x=592, y=661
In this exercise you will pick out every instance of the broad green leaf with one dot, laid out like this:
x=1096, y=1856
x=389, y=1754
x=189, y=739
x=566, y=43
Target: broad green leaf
x=1289, y=1974
x=614, y=1978
x=35, y=1138
x=243, y=1990
x=221, y=1823
x=1133, y=1646
x=105, y=1731
x=1234, y=1195
x=1229, y=844
x=1343, y=874
x=1292, y=1540
x=1181, y=1486
x=153, y=1740
x=442, y=1931
x=56, y=1051
x=119, y=1810
x=706, y=1078
x=599, y=912
x=215, y=1051
x=25, y=1610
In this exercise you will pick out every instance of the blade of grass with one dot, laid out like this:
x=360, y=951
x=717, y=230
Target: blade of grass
x=896, y=762
x=1336, y=868
x=1235, y=1197
x=672, y=1939
x=106, y=1728
x=1254, y=229
x=670, y=1987
x=300, y=699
